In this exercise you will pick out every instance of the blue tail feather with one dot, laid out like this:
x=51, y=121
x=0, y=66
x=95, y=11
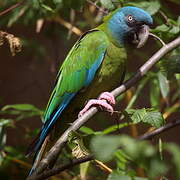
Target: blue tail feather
x=36, y=144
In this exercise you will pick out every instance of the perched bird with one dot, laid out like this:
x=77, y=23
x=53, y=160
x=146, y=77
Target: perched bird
x=96, y=63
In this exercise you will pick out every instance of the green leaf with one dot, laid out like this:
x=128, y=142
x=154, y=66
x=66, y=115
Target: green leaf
x=58, y=1
x=163, y=84
x=156, y=168
x=16, y=15
x=174, y=30
x=117, y=176
x=138, y=115
x=154, y=93
x=133, y=148
x=48, y=8
x=77, y=5
x=5, y=122
x=160, y=148
x=3, y=137
x=152, y=7
x=161, y=28
x=84, y=169
x=87, y=130
x=154, y=118
x=137, y=150
x=104, y=146
x=22, y=110
x=121, y=159
x=131, y=152
x=175, y=151
x=13, y=152
x=22, y=107
x=149, y=116
x=114, y=128
x=170, y=65
x=120, y=97
x=107, y=4
x=139, y=178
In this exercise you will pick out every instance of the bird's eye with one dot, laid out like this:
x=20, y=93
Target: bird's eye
x=130, y=18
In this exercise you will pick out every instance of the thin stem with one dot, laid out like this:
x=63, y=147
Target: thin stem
x=61, y=168
x=135, y=96
x=68, y=25
x=103, y=166
x=11, y=8
x=160, y=130
x=164, y=16
x=99, y=8
x=158, y=38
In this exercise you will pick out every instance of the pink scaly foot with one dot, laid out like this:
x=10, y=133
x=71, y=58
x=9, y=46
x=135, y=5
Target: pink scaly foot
x=108, y=97
x=105, y=100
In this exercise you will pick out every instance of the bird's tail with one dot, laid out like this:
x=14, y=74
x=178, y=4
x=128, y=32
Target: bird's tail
x=33, y=146
x=39, y=154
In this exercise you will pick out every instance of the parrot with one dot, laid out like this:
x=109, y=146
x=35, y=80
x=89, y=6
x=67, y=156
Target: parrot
x=95, y=65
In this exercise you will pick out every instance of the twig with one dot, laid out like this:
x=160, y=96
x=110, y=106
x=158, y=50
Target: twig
x=164, y=16
x=61, y=168
x=72, y=19
x=160, y=130
x=103, y=166
x=68, y=25
x=99, y=8
x=56, y=149
x=170, y=110
x=156, y=37
x=11, y=8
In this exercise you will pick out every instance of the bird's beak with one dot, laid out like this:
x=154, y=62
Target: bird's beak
x=141, y=36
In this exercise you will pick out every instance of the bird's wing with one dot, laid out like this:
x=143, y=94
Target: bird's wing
x=76, y=72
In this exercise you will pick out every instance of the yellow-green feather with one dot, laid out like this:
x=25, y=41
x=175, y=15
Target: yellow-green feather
x=72, y=74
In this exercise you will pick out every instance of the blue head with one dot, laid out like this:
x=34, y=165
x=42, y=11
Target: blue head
x=127, y=22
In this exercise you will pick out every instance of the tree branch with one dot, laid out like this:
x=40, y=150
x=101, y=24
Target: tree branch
x=74, y=162
x=12, y=7
x=60, y=168
x=99, y=8
x=160, y=130
x=56, y=149
x=68, y=25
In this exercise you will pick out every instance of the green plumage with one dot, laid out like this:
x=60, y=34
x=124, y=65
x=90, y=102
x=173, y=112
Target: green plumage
x=83, y=54
x=96, y=63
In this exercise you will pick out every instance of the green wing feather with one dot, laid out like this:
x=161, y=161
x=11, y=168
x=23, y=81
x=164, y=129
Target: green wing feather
x=73, y=72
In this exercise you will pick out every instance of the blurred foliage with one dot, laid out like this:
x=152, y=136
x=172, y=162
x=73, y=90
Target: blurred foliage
x=129, y=157
x=129, y=153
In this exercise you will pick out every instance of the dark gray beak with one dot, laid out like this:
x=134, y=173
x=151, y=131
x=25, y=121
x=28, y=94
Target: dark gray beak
x=141, y=36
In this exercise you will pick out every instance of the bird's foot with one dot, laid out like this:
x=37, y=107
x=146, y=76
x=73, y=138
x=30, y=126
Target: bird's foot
x=105, y=101
x=108, y=97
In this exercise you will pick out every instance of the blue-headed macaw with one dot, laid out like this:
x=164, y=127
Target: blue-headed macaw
x=96, y=63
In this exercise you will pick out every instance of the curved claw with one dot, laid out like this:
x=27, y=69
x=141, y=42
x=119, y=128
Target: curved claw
x=108, y=97
x=100, y=102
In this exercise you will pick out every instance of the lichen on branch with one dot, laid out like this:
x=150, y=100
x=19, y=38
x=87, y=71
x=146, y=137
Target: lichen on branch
x=15, y=44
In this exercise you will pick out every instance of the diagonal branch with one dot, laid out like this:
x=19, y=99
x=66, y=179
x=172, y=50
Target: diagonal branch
x=74, y=162
x=160, y=130
x=99, y=8
x=60, y=168
x=12, y=7
x=56, y=149
x=68, y=25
